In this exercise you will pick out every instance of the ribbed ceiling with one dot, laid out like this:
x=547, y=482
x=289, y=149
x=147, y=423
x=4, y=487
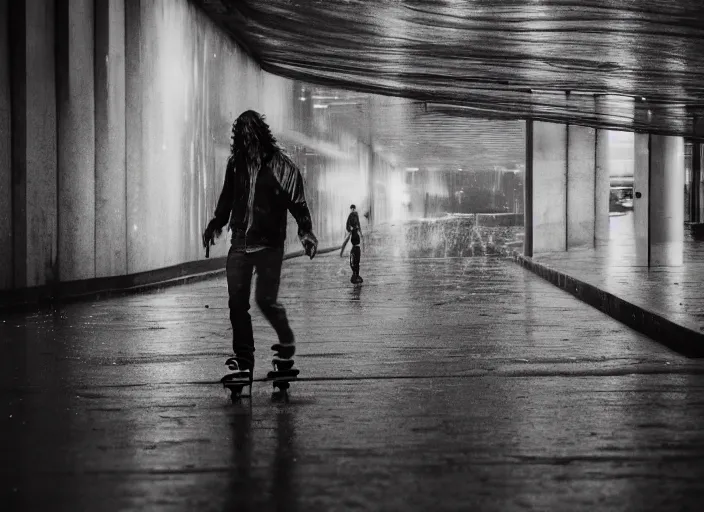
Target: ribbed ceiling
x=502, y=59
x=409, y=134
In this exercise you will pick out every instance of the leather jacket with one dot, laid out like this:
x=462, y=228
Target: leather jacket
x=257, y=205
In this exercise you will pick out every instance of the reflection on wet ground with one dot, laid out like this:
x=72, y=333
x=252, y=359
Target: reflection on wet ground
x=446, y=236
x=676, y=293
x=439, y=384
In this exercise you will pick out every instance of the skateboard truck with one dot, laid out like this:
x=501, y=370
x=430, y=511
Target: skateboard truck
x=237, y=380
x=281, y=376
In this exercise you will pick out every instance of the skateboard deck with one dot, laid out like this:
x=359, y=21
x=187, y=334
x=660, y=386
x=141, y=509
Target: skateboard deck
x=281, y=381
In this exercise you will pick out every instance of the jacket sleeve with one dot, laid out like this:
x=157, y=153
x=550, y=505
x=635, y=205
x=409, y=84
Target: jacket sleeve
x=291, y=182
x=224, y=206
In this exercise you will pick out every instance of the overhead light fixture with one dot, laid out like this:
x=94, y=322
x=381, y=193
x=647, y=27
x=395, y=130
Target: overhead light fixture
x=411, y=168
x=318, y=105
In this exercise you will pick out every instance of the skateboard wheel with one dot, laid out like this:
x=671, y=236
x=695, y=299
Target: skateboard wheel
x=235, y=391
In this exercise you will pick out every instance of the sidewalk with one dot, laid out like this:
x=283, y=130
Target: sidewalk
x=665, y=303
x=440, y=384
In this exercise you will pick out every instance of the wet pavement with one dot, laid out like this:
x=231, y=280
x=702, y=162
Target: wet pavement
x=439, y=384
x=673, y=293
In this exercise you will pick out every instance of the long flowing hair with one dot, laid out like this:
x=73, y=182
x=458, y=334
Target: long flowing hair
x=251, y=141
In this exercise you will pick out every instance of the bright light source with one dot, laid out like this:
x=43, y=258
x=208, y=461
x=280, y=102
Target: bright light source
x=302, y=98
x=411, y=168
x=319, y=106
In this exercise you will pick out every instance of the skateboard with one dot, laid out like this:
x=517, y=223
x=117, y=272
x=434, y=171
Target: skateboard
x=281, y=380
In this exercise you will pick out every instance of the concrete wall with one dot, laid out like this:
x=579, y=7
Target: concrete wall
x=110, y=202
x=34, y=194
x=121, y=124
x=193, y=84
x=133, y=123
x=5, y=153
x=75, y=139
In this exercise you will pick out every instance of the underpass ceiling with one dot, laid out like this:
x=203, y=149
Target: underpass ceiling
x=508, y=59
x=409, y=134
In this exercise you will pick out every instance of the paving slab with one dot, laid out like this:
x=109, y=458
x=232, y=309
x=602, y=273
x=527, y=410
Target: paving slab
x=439, y=384
x=666, y=303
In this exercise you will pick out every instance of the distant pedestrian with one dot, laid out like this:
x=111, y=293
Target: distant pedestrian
x=354, y=230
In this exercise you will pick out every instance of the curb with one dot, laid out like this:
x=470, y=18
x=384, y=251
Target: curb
x=26, y=299
x=677, y=337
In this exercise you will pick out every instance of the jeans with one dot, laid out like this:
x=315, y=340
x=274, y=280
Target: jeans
x=240, y=266
x=355, y=256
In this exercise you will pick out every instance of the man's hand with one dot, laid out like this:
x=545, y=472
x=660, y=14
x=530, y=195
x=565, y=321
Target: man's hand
x=310, y=244
x=209, y=235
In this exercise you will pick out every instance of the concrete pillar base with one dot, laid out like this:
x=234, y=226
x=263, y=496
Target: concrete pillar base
x=670, y=254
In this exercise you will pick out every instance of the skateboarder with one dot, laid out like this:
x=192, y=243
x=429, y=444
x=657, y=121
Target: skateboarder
x=261, y=184
x=355, y=231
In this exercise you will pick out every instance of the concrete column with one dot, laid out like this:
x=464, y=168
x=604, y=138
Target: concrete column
x=33, y=142
x=6, y=265
x=581, y=187
x=75, y=138
x=695, y=188
x=528, y=193
x=602, y=188
x=549, y=187
x=666, y=200
x=372, y=169
x=604, y=105
x=641, y=197
x=110, y=226
x=133, y=127
x=699, y=191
